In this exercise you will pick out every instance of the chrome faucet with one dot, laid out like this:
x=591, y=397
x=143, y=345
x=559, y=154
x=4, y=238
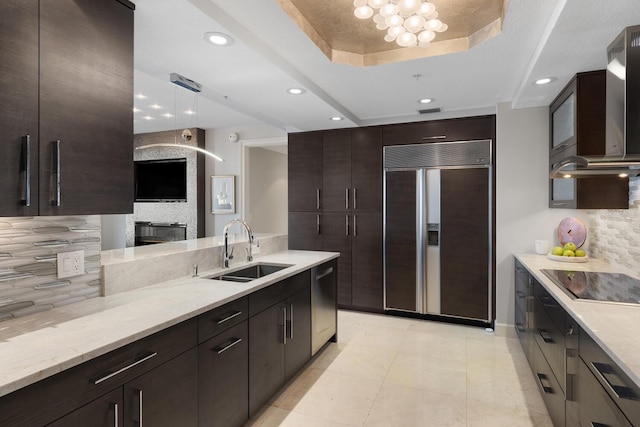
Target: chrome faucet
x=229, y=255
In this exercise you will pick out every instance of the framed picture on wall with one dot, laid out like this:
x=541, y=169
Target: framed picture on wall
x=223, y=194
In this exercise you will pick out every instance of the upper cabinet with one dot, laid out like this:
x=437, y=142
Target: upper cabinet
x=461, y=129
x=66, y=107
x=577, y=127
x=305, y=171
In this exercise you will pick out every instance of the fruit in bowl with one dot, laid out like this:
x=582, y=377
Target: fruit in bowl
x=557, y=251
x=570, y=246
x=580, y=253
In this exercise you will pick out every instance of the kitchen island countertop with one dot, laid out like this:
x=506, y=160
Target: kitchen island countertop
x=612, y=325
x=40, y=345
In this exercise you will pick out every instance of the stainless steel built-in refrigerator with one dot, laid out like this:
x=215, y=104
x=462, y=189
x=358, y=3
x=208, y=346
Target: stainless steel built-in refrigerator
x=438, y=223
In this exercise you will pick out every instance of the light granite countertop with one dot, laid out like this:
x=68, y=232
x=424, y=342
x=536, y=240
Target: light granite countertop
x=614, y=326
x=38, y=346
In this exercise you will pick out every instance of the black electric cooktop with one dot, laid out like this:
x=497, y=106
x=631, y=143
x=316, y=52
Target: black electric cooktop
x=591, y=285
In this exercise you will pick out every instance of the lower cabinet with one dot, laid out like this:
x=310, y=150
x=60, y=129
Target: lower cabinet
x=596, y=407
x=280, y=338
x=213, y=370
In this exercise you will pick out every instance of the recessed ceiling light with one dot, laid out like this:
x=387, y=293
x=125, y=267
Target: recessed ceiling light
x=168, y=115
x=136, y=110
x=141, y=96
x=296, y=91
x=148, y=118
x=190, y=111
x=218, y=39
x=566, y=175
x=545, y=80
x=156, y=106
x=623, y=175
x=426, y=100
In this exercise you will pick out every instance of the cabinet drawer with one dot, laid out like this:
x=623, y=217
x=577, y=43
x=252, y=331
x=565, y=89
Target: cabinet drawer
x=549, y=387
x=523, y=331
x=596, y=407
x=624, y=392
x=523, y=288
x=551, y=340
x=277, y=292
x=222, y=318
x=53, y=397
x=549, y=305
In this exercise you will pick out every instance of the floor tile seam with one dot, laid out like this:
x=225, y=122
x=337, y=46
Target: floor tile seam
x=530, y=412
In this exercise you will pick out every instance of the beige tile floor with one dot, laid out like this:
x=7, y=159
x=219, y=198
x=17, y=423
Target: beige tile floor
x=391, y=371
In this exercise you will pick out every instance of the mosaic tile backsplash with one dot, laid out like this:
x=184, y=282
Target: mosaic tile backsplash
x=614, y=234
x=28, y=263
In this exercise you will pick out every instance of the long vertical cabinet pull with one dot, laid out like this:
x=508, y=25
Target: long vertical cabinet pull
x=284, y=325
x=318, y=224
x=139, y=408
x=291, y=323
x=27, y=170
x=346, y=198
x=114, y=406
x=318, y=198
x=56, y=165
x=346, y=225
x=355, y=198
x=355, y=225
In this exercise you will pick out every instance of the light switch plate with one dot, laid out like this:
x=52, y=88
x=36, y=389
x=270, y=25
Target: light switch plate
x=70, y=264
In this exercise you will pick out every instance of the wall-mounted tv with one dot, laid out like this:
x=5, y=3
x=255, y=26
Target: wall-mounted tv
x=162, y=180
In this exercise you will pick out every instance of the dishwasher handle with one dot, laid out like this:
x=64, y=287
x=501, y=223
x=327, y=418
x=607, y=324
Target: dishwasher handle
x=325, y=273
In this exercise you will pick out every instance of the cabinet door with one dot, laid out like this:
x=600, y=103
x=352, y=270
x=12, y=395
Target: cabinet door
x=336, y=170
x=298, y=342
x=266, y=355
x=366, y=257
x=18, y=107
x=165, y=396
x=461, y=129
x=223, y=378
x=305, y=231
x=86, y=102
x=106, y=411
x=336, y=237
x=595, y=406
x=305, y=171
x=464, y=243
x=366, y=169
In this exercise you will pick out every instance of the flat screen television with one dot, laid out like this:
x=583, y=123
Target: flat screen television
x=162, y=180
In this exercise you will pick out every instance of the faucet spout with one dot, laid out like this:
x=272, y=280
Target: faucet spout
x=229, y=255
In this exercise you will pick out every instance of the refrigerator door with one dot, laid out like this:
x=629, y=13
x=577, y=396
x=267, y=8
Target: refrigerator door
x=401, y=241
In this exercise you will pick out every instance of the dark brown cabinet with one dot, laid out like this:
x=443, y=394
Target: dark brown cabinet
x=349, y=201
x=279, y=336
x=72, y=116
x=577, y=127
x=462, y=129
x=106, y=411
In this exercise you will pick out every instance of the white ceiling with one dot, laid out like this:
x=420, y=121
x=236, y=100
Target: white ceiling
x=245, y=84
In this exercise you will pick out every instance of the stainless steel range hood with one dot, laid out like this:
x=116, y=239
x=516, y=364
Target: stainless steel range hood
x=622, y=115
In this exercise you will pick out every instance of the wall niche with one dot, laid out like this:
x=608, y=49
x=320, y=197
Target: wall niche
x=191, y=212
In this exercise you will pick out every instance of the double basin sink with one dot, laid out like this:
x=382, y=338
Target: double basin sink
x=247, y=274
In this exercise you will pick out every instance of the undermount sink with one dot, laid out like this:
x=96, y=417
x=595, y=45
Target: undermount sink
x=248, y=274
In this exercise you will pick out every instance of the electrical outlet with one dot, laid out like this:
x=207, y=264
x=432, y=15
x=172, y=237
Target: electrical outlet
x=70, y=264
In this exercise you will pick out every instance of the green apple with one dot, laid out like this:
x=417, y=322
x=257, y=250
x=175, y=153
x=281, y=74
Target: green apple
x=557, y=250
x=568, y=252
x=580, y=253
x=570, y=246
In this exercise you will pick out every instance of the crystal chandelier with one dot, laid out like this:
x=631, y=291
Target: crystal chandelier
x=408, y=22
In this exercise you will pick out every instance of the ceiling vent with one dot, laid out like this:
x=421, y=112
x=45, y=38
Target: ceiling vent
x=185, y=82
x=429, y=111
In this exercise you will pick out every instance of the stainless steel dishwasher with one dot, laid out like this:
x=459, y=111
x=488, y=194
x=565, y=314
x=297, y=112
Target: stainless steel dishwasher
x=324, y=315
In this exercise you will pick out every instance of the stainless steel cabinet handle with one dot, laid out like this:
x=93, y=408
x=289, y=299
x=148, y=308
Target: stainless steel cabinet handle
x=325, y=273
x=355, y=198
x=547, y=301
x=542, y=377
x=56, y=163
x=355, y=225
x=114, y=406
x=520, y=294
x=318, y=223
x=140, y=418
x=284, y=325
x=291, y=323
x=559, y=147
x=620, y=391
x=560, y=204
x=520, y=270
x=545, y=336
x=232, y=342
x=229, y=317
x=317, y=198
x=346, y=198
x=27, y=170
x=595, y=424
x=520, y=327
x=346, y=225
x=434, y=137
x=126, y=368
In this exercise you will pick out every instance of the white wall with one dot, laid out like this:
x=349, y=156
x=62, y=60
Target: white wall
x=267, y=198
x=522, y=206
x=218, y=142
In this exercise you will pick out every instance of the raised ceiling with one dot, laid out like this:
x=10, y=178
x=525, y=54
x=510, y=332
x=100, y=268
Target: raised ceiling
x=245, y=84
x=343, y=38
